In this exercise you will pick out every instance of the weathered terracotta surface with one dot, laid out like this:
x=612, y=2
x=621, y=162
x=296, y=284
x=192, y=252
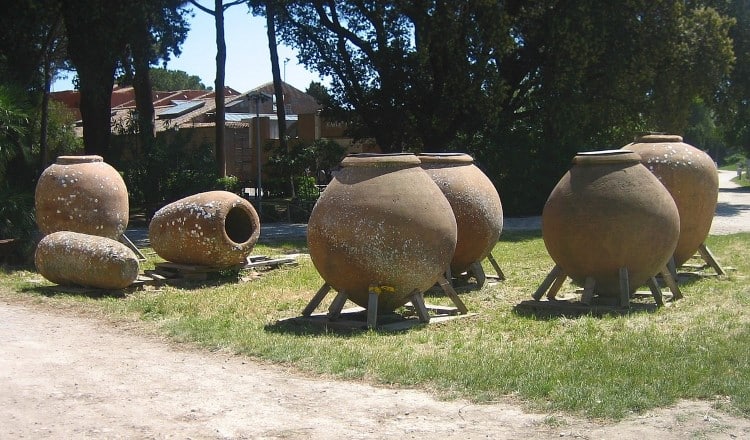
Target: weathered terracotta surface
x=214, y=228
x=82, y=194
x=381, y=221
x=607, y=212
x=72, y=258
x=690, y=175
x=475, y=204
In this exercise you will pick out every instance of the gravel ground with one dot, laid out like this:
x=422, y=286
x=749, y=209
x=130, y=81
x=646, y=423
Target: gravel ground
x=733, y=208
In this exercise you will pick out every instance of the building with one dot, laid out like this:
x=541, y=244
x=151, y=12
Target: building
x=246, y=126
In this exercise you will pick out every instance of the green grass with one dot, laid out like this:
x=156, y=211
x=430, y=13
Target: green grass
x=599, y=366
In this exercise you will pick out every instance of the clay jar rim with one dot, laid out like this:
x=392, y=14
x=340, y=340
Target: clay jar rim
x=445, y=158
x=380, y=159
x=606, y=157
x=71, y=160
x=657, y=138
x=234, y=225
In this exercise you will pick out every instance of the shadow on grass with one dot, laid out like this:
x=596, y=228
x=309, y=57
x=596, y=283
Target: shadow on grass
x=349, y=324
x=518, y=236
x=554, y=309
x=75, y=291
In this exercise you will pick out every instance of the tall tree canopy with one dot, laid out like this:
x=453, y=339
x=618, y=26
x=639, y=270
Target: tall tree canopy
x=419, y=72
x=521, y=84
x=132, y=35
x=167, y=80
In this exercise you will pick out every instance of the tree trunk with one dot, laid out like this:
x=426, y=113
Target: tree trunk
x=49, y=71
x=96, y=92
x=277, y=84
x=221, y=59
x=94, y=44
x=142, y=86
x=44, y=123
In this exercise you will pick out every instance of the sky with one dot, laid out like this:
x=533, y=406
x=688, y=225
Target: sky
x=248, y=62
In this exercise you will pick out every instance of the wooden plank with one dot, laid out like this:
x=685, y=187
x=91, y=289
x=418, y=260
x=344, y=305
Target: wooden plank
x=417, y=301
x=316, y=299
x=269, y=262
x=671, y=283
x=448, y=289
x=709, y=258
x=655, y=291
x=588, y=290
x=551, y=277
x=624, y=287
x=478, y=271
x=372, y=308
x=556, y=285
x=498, y=271
x=334, y=310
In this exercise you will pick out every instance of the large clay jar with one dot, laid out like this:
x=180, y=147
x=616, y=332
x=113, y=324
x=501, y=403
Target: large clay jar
x=691, y=177
x=381, y=221
x=475, y=203
x=609, y=212
x=72, y=258
x=214, y=228
x=82, y=194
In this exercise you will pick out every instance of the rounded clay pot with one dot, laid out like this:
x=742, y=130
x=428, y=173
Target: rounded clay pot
x=474, y=201
x=608, y=212
x=82, y=194
x=381, y=221
x=214, y=228
x=72, y=258
x=691, y=177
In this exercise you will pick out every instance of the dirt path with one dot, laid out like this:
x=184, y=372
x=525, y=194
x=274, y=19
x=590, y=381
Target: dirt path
x=66, y=376
x=75, y=377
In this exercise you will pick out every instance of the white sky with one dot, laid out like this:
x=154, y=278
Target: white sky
x=248, y=62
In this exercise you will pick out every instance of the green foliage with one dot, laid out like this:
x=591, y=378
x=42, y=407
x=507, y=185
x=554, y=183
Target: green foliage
x=702, y=131
x=228, y=183
x=163, y=79
x=170, y=170
x=301, y=163
x=16, y=213
x=523, y=87
x=14, y=129
x=305, y=187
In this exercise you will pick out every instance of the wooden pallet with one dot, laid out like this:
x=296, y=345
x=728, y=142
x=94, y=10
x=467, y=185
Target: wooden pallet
x=571, y=305
x=356, y=319
x=170, y=272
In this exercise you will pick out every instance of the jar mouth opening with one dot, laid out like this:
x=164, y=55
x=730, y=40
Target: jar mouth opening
x=653, y=138
x=439, y=158
x=380, y=159
x=606, y=156
x=69, y=160
x=240, y=225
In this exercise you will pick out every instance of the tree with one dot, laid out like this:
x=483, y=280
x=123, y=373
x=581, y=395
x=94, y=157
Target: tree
x=522, y=85
x=221, y=60
x=95, y=61
x=33, y=42
x=269, y=8
x=154, y=31
x=733, y=108
x=167, y=80
x=150, y=30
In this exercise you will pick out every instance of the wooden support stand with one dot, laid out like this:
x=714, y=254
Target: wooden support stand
x=556, y=277
x=415, y=297
x=127, y=242
x=709, y=258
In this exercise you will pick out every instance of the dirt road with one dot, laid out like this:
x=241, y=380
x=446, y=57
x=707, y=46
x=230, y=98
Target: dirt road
x=64, y=376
